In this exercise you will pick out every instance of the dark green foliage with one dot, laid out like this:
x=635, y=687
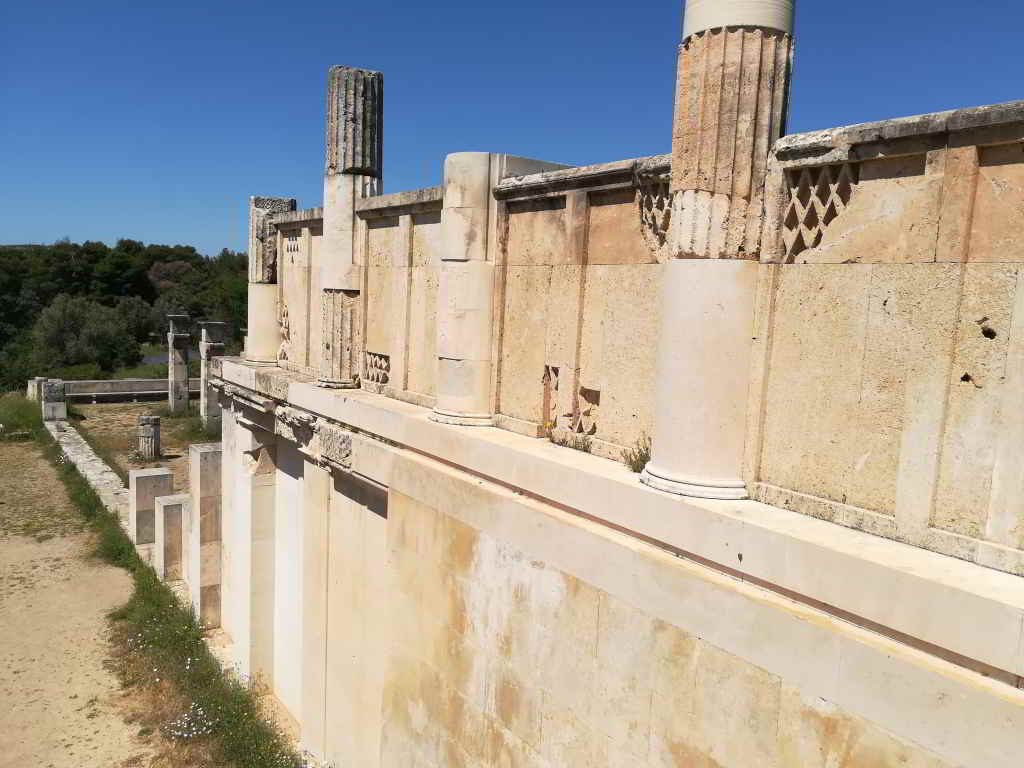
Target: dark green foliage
x=78, y=311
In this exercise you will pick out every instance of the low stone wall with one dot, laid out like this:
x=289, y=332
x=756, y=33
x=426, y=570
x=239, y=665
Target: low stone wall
x=122, y=390
x=101, y=478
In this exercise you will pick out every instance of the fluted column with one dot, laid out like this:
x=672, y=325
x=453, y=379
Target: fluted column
x=731, y=92
x=264, y=340
x=353, y=169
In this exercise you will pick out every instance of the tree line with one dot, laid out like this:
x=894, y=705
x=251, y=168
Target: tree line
x=86, y=310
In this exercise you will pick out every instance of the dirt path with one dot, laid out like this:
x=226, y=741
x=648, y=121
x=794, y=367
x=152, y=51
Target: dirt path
x=59, y=704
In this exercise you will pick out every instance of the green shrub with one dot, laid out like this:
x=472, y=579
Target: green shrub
x=20, y=418
x=636, y=458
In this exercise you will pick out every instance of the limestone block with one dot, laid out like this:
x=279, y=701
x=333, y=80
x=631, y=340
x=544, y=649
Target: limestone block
x=169, y=514
x=522, y=358
x=423, y=332
x=264, y=339
x=614, y=235
x=998, y=205
x=465, y=300
x=467, y=180
x=959, y=189
x=674, y=677
x=973, y=419
x=380, y=314
x=144, y=486
x=625, y=675
x=202, y=558
x=53, y=404
x=537, y=233
x=711, y=14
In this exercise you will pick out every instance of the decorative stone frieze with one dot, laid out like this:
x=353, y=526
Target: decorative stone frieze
x=342, y=339
x=817, y=197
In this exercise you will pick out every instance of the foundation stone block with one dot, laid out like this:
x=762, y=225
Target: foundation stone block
x=169, y=514
x=144, y=486
x=202, y=534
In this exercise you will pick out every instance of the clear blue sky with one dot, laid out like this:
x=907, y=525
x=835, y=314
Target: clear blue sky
x=156, y=120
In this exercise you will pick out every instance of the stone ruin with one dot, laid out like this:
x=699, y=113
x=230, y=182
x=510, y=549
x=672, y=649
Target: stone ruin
x=418, y=531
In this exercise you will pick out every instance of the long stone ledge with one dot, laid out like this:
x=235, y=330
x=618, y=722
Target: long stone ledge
x=832, y=140
x=101, y=478
x=951, y=608
x=305, y=216
x=621, y=173
x=398, y=203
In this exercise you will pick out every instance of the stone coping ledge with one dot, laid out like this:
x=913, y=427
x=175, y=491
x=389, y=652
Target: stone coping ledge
x=953, y=609
x=398, y=203
x=101, y=478
x=801, y=145
x=604, y=175
x=309, y=215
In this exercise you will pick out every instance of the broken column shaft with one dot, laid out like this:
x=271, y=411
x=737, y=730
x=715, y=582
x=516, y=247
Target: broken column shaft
x=353, y=169
x=149, y=438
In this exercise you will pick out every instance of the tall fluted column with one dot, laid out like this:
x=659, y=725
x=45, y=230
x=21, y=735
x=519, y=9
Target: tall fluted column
x=353, y=169
x=264, y=340
x=731, y=92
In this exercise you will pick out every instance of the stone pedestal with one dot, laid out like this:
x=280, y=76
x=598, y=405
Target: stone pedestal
x=352, y=171
x=202, y=562
x=149, y=438
x=178, y=340
x=144, y=486
x=731, y=88
x=53, y=404
x=169, y=514
x=211, y=345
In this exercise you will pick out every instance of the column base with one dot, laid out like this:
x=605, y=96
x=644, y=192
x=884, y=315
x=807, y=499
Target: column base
x=697, y=488
x=461, y=419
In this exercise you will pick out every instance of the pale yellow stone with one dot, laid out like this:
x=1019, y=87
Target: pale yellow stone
x=999, y=205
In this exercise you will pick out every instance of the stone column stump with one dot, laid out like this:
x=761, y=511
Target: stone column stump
x=149, y=438
x=177, y=363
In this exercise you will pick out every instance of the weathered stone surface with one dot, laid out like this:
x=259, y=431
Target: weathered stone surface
x=149, y=438
x=263, y=236
x=355, y=121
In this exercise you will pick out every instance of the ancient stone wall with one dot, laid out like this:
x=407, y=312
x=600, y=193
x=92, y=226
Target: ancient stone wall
x=891, y=332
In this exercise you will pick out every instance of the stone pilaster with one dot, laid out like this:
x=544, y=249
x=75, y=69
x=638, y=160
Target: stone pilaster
x=264, y=339
x=202, y=566
x=53, y=400
x=178, y=340
x=169, y=512
x=211, y=344
x=465, y=304
x=352, y=171
x=144, y=486
x=731, y=93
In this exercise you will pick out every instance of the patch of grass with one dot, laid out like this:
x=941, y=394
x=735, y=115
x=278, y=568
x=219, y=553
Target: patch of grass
x=194, y=431
x=574, y=440
x=99, y=448
x=162, y=644
x=636, y=458
x=20, y=418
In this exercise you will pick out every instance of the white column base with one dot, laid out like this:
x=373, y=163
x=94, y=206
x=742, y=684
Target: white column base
x=462, y=419
x=698, y=488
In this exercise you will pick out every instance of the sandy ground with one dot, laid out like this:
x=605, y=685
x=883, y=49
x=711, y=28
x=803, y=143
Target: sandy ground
x=115, y=426
x=59, y=703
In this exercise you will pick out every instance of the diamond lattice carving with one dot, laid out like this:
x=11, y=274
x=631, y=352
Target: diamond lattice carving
x=817, y=197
